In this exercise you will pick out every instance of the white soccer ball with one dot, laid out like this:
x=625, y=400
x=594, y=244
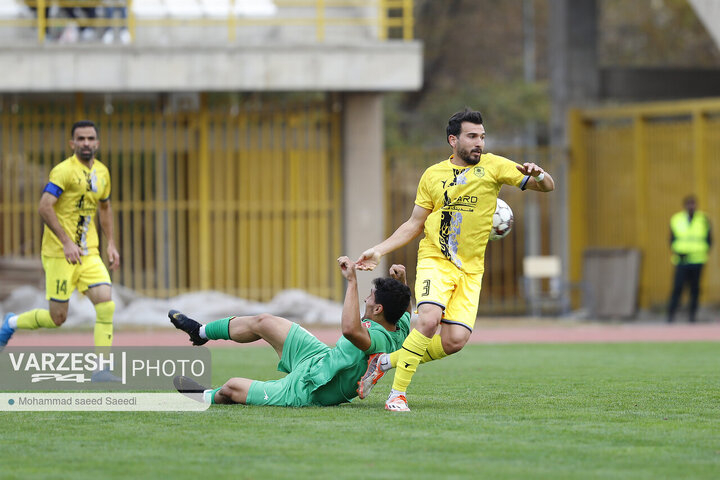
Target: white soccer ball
x=502, y=221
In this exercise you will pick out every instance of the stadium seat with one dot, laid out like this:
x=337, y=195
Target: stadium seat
x=10, y=9
x=215, y=8
x=255, y=8
x=184, y=8
x=537, y=268
x=150, y=9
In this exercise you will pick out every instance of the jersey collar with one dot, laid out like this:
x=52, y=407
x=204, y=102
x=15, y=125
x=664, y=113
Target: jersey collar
x=82, y=164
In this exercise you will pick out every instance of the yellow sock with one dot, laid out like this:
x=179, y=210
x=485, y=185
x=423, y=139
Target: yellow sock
x=434, y=350
x=413, y=349
x=34, y=319
x=394, y=358
x=104, y=323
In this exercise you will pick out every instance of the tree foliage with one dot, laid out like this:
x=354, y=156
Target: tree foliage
x=474, y=57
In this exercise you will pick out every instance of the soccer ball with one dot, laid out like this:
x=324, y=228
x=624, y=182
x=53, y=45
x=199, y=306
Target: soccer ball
x=502, y=221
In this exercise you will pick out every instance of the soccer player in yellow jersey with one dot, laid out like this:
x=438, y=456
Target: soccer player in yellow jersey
x=78, y=188
x=454, y=206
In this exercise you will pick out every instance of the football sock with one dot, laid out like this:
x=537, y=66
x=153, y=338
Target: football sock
x=202, y=334
x=209, y=395
x=434, y=350
x=38, y=318
x=219, y=329
x=412, y=351
x=394, y=393
x=12, y=322
x=393, y=358
x=104, y=323
x=384, y=362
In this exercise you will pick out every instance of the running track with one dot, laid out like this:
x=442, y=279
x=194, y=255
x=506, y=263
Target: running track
x=495, y=333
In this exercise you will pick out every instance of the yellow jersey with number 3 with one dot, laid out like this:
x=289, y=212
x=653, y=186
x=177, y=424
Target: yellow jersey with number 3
x=78, y=190
x=462, y=201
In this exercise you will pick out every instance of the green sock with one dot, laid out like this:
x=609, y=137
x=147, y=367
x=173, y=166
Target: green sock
x=219, y=329
x=212, y=395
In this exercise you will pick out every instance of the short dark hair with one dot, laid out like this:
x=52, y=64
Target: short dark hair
x=393, y=295
x=455, y=123
x=83, y=123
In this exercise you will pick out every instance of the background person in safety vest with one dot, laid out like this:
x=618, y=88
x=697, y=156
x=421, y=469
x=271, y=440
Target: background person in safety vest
x=690, y=241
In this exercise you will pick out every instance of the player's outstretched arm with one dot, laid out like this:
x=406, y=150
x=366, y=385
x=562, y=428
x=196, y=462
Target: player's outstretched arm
x=540, y=180
x=352, y=328
x=402, y=236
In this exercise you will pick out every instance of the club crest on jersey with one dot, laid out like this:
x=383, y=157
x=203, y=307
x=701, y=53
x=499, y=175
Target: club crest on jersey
x=479, y=172
x=366, y=324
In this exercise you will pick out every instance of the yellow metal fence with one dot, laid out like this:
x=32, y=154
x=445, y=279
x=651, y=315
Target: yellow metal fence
x=631, y=167
x=245, y=202
x=389, y=18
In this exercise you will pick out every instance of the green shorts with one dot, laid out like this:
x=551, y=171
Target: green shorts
x=300, y=352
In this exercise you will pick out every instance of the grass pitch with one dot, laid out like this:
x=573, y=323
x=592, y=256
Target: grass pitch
x=635, y=411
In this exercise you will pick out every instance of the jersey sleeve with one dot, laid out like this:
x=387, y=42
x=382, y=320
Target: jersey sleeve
x=508, y=174
x=58, y=181
x=381, y=341
x=423, y=197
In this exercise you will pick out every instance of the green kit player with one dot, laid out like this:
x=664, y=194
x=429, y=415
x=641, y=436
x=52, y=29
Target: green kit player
x=316, y=373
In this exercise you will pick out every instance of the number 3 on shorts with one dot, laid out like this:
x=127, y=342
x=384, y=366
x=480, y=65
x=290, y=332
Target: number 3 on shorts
x=426, y=288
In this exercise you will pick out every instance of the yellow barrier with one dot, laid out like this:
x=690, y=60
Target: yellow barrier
x=630, y=168
x=391, y=18
x=241, y=200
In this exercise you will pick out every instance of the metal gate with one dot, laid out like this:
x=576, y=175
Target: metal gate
x=242, y=197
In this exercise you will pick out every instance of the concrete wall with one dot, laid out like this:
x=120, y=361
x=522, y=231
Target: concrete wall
x=374, y=66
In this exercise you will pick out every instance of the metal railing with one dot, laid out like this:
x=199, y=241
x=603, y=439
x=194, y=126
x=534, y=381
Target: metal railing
x=389, y=19
x=244, y=200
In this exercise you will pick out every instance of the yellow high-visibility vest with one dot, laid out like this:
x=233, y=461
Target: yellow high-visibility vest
x=690, y=238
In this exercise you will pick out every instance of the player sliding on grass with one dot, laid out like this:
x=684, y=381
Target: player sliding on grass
x=316, y=373
x=455, y=203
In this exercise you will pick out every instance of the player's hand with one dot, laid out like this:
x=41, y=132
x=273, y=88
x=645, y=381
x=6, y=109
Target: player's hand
x=398, y=273
x=530, y=169
x=113, y=257
x=368, y=260
x=73, y=253
x=347, y=267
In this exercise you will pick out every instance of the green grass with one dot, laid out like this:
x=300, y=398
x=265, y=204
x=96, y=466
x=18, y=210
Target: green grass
x=636, y=411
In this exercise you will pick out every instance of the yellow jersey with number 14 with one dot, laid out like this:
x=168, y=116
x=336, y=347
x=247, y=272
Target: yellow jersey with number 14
x=462, y=201
x=78, y=190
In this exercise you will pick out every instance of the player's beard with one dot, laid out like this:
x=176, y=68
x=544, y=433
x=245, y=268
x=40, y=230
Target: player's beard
x=85, y=155
x=466, y=156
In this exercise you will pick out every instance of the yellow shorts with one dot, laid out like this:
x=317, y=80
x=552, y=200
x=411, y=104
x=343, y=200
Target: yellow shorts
x=440, y=282
x=61, y=277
